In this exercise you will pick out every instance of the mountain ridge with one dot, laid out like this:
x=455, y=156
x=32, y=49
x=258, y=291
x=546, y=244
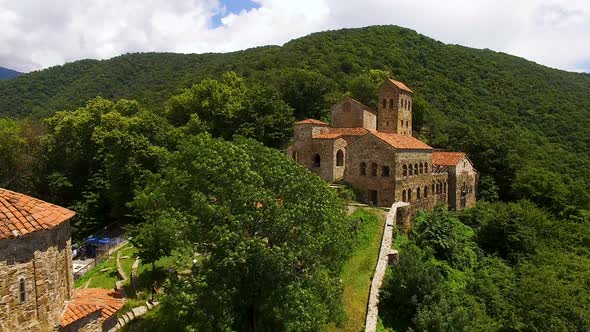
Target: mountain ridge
x=6, y=73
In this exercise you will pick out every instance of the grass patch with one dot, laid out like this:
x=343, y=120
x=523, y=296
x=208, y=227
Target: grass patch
x=103, y=275
x=358, y=270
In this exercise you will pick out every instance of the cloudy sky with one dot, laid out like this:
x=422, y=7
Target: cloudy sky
x=37, y=34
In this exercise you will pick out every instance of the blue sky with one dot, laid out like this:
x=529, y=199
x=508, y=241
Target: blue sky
x=39, y=34
x=233, y=7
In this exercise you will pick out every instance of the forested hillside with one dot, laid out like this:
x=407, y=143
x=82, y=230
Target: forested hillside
x=516, y=119
x=184, y=147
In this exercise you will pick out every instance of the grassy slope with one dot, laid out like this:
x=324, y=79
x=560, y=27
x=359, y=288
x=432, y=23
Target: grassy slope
x=358, y=271
x=107, y=278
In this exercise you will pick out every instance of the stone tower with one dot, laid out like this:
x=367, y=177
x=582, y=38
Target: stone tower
x=394, y=113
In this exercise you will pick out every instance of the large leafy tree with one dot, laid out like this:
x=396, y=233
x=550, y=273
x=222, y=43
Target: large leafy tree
x=11, y=146
x=306, y=91
x=97, y=155
x=274, y=237
x=230, y=106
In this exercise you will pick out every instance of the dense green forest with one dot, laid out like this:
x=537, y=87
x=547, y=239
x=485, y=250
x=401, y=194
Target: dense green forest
x=526, y=127
x=185, y=147
x=496, y=267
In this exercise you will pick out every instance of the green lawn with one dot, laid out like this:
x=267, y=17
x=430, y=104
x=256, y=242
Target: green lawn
x=107, y=278
x=359, y=269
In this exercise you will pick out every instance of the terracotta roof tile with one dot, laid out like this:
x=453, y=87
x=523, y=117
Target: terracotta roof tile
x=447, y=158
x=400, y=85
x=400, y=141
x=89, y=300
x=76, y=312
x=339, y=132
x=311, y=121
x=26, y=214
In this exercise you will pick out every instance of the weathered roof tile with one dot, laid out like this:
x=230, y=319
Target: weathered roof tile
x=89, y=300
x=27, y=214
x=447, y=158
x=399, y=141
x=311, y=121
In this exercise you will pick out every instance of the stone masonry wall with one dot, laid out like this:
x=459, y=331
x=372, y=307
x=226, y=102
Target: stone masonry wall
x=464, y=186
x=371, y=150
x=349, y=114
x=394, y=110
x=387, y=116
x=420, y=192
x=43, y=261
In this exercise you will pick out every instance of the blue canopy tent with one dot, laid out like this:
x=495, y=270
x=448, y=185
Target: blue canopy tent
x=99, y=244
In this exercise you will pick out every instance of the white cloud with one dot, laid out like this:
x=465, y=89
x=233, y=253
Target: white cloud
x=38, y=34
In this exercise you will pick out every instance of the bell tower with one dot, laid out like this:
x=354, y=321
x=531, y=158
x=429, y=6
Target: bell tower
x=394, y=112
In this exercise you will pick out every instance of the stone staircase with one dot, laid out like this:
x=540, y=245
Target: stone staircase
x=132, y=314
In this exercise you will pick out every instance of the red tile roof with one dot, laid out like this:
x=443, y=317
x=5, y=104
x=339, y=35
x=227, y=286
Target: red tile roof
x=400, y=141
x=21, y=214
x=89, y=300
x=311, y=121
x=400, y=85
x=447, y=158
x=76, y=312
x=339, y=132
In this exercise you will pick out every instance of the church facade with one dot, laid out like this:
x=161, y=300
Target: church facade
x=374, y=152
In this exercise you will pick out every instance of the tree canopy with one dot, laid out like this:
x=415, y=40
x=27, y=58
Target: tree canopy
x=274, y=237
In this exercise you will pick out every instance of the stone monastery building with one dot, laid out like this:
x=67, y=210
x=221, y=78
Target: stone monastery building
x=374, y=152
x=36, y=280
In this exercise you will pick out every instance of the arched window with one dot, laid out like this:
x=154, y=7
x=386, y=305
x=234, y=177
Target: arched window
x=339, y=158
x=418, y=193
x=404, y=196
x=445, y=187
x=363, y=168
x=421, y=168
x=411, y=170
x=384, y=170
x=425, y=191
x=22, y=290
x=391, y=103
x=425, y=168
x=373, y=169
x=415, y=168
x=409, y=195
x=407, y=124
x=405, y=170
x=317, y=161
x=384, y=103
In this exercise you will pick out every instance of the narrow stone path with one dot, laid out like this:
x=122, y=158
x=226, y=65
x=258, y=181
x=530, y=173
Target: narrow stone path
x=377, y=281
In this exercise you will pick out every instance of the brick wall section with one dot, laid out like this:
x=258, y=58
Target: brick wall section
x=43, y=259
